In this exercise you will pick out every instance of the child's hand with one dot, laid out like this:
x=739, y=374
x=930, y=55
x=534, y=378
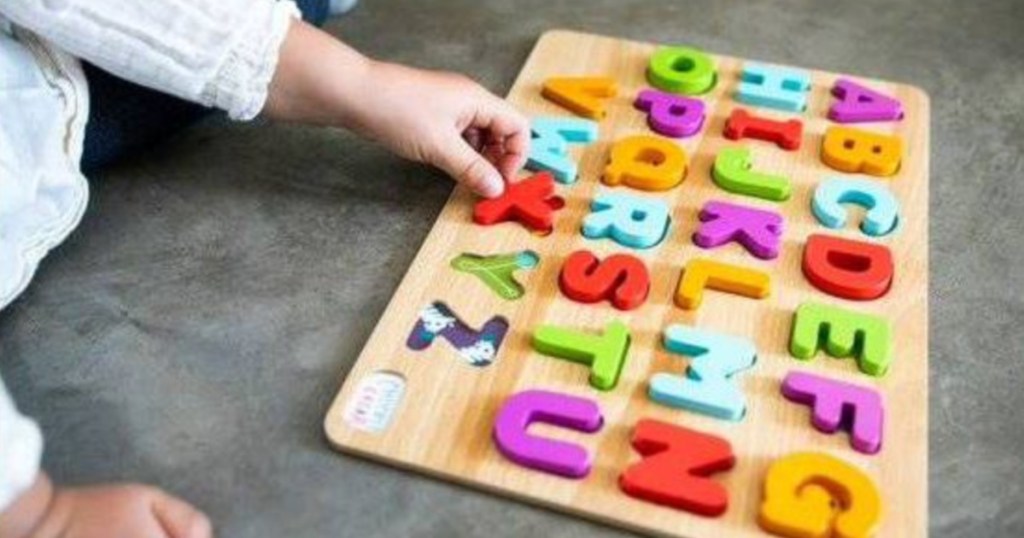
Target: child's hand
x=114, y=511
x=129, y=511
x=446, y=120
x=441, y=119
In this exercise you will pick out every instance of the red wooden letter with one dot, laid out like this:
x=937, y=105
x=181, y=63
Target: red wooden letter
x=531, y=202
x=786, y=134
x=620, y=278
x=846, y=268
x=676, y=464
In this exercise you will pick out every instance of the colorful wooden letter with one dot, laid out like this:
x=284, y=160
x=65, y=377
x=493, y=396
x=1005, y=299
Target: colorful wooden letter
x=586, y=96
x=549, y=145
x=701, y=273
x=811, y=495
x=846, y=268
x=707, y=387
x=675, y=468
x=478, y=348
x=605, y=354
x=496, y=272
x=858, y=103
x=547, y=455
x=774, y=87
x=671, y=115
x=631, y=221
x=645, y=162
x=882, y=209
x=843, y=333
x=837, y=405
x=857, y=151
x=620, y=278
x=732, y=172
x=531, y=202
x=681, y=70
x=785, y=134
x=759, y=231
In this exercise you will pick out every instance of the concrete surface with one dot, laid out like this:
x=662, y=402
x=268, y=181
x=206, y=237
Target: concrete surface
x=192, y=332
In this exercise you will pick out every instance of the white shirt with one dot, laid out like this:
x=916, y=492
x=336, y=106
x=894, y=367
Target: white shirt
x=219, y=53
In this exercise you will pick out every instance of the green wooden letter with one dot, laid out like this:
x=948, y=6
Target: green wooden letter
x=843, y=333
x=604, y=353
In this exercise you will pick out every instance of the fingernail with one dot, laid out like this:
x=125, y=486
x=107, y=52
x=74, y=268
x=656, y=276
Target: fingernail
x=493, y=187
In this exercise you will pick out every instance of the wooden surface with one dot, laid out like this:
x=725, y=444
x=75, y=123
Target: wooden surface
x=443, y=425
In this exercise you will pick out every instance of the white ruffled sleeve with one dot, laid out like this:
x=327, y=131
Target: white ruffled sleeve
x=219, y=53
x=21, y=446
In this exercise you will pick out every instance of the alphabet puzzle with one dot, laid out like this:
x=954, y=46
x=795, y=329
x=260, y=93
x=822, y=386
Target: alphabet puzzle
x=700, y=312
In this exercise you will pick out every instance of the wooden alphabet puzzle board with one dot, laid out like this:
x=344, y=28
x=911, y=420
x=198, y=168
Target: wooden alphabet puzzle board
x=677, y=433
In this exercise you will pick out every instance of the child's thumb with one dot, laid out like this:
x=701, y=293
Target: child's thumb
x=468, y=167
x=179, y=519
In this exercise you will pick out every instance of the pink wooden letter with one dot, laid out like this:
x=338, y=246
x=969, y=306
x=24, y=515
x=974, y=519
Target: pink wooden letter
x=547, y=455
x=837, y=405
x=671, y=115
x=760, y=232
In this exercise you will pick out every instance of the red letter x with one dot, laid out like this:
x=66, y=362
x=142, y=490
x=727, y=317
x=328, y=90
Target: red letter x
x=531, y=202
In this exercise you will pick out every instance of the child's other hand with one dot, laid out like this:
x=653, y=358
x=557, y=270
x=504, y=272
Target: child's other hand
x=115, y=511
x=446, y=120
x=110, y=511
x=442, y=119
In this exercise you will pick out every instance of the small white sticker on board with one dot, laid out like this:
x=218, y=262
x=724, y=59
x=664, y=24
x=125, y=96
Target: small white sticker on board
x=374, y=402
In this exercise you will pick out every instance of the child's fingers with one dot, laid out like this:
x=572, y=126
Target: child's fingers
x=509, y=128
x=496, y=150
x=180, y=520
x=510, y=164
x=475, y=138
x=467, y=166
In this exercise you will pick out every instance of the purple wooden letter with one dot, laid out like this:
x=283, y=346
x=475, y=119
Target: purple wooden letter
x=547, y=455
x=760, y=232
x=671, y=115
x=858, y=103
x=837, y=405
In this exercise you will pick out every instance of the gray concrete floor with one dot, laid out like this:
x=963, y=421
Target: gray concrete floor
x=192, y=332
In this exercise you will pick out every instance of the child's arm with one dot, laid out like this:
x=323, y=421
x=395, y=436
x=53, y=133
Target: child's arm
x=442, y=119
x=225, y=53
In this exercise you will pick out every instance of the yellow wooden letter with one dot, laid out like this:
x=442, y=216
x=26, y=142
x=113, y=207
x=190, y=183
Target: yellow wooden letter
x=586, y=96
x=701, y=273
x=811, y=495
x=857, y=151
x=645, y=162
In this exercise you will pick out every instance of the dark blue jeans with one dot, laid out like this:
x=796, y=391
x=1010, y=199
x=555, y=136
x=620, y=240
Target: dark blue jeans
x=125, y=117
